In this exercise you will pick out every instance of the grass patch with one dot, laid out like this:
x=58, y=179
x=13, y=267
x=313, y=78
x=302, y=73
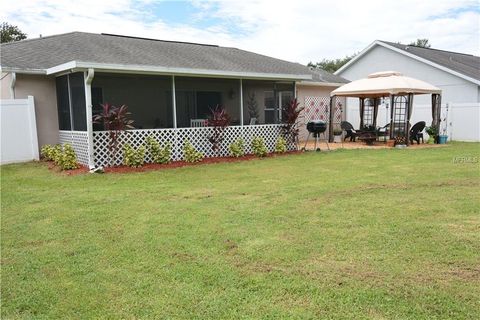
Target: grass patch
x=346, y=234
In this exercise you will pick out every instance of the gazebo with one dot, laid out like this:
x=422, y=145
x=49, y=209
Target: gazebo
x=400, y=89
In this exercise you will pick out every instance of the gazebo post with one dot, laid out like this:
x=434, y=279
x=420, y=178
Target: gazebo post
x=408, y=114
x=392, y=106
x=362, y=111
x=330, y=119
x=436, y=110
x=375, y=111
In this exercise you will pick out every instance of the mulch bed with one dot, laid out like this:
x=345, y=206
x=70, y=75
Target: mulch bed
x=171, y=165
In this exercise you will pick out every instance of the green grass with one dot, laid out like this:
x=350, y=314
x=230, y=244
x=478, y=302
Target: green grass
x=353, y=234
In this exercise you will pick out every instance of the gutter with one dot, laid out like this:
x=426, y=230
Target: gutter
x=320, y=84
x=143, y=69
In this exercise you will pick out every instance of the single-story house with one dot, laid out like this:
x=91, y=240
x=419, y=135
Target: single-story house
x=456, y=74
x=168, y=86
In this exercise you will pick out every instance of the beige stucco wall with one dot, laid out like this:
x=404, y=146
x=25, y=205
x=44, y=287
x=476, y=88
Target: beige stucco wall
x=42, y=88
x=306, y=91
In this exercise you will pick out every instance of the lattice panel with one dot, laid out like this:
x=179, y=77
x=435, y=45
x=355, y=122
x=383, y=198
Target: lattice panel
x=338, y=109
x=316, y=108
x=79, y=141
x=197, y=136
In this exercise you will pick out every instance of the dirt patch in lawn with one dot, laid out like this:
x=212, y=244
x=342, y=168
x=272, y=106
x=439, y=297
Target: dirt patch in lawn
x=80, y=170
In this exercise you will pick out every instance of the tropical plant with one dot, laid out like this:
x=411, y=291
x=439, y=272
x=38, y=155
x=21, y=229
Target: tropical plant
x=69, y=158
x=258, y=147
x=237, y=148
x=133, y=158
x=219, y=120
x=290, y=123
x=190, y=153
x=252, y=105
x=157, y=153
x=281, y=145
x=115, y=120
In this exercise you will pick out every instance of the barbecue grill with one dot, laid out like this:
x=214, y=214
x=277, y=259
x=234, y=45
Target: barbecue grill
x=315, y=128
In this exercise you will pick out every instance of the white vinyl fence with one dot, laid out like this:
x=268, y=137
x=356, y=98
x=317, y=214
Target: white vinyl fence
x=18, y=131
x=461, y=121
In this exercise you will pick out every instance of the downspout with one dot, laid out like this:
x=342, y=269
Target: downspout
x=88, y=103
x=13, y=80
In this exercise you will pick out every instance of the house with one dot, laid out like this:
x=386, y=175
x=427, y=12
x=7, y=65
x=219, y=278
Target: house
x=168, y=86
x=457, y=74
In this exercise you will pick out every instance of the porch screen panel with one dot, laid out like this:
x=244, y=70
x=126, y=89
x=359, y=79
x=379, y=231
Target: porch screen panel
x=77, y=98
x=63, y=103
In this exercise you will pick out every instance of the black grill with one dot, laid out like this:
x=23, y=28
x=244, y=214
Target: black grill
x=316, y=127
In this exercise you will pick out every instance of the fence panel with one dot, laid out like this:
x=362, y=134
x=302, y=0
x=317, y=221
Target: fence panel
x=19, y=140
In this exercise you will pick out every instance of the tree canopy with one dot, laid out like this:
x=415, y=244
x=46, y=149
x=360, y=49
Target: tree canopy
x=422, y=43
x=10, y=33
x=331, y=65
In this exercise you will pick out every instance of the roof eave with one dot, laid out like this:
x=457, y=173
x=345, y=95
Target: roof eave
x=320, y=84
x=22, y=71
x=143, y=69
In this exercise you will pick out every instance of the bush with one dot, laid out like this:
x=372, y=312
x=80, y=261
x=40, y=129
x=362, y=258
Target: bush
x=258, y=147
x=237, y=148
x=159, y=154
x=69, y=158
x=190, y=153
x=47, y=152
x=56, y=155
x=281, y=145
x=133, y=158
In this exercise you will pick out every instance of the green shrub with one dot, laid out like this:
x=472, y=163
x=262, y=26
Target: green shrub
x=281, y=145
x=258, y=147
x=158, y=154
x=47, y=152
x=57, y=154
x=190, y=153
x=237, y=148
x=69, y=158
x=133, y=158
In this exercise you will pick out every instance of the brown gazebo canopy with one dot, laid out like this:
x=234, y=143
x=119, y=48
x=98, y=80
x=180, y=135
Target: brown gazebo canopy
x=400, y=89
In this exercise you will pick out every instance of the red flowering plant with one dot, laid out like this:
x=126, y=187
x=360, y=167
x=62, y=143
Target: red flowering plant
x=219, y=120
x=115, y=120
x=290, y=122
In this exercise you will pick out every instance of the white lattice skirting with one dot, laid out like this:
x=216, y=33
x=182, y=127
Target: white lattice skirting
x=197, y=136
x=79, y=141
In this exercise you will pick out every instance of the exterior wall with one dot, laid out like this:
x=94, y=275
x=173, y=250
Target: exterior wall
x=42, y=88
x=307, y=91
x=454, y=89
x=5, y=81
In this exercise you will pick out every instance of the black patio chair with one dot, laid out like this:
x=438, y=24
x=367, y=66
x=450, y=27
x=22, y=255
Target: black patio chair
x=383, y=132
x=416, y=132
x=348, y=128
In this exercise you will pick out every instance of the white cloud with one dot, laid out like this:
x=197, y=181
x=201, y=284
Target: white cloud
x=297, y=30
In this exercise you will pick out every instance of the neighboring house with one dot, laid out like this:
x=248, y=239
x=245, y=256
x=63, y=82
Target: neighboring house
x=168, y=86
x=457, y=74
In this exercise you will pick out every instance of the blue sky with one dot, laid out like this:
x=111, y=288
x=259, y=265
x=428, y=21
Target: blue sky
x=299, y=30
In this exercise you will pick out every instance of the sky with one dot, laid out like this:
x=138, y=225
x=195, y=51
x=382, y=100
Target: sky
x=294, y=30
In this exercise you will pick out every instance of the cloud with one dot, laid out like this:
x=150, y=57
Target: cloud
x=300, y=31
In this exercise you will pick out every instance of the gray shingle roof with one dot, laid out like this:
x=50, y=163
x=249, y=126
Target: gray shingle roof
x=320, y=75
x=465, y=64
x=47, y=52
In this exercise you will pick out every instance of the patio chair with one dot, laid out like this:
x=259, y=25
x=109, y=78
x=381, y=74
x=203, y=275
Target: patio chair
x=348, y=128
x=253, y=121
x=383, y=132
x=416, y=132
x=197, y=123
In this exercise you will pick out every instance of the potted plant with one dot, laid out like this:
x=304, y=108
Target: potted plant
x=442, y=138
x=432, y=134
x=337, y=135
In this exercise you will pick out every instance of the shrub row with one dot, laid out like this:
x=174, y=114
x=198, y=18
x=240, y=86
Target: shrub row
x=63, y=156
x=237, y=148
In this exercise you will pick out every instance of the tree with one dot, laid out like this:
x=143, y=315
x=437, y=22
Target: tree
x=331, y=65
x=10, y=33
x=422, y=43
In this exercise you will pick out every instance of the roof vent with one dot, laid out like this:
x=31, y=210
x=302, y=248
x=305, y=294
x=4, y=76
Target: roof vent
x=384, y=74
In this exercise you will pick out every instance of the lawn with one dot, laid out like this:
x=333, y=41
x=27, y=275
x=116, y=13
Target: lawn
x=344, y=234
